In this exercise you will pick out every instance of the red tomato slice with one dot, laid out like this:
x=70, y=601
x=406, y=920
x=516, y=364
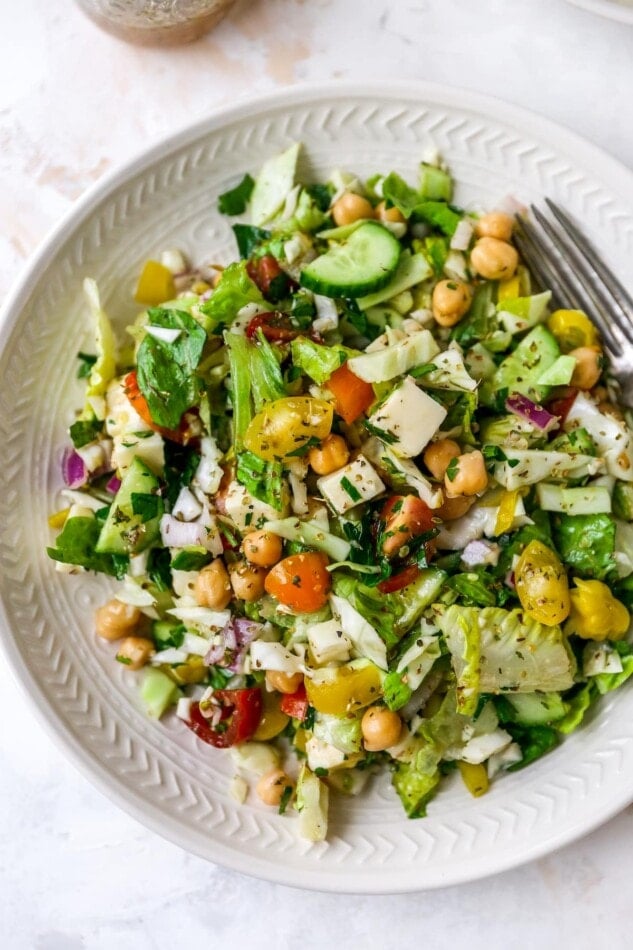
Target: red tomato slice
x=300, y=581
x=352, y=395
x=405, y=517
x=240, y=716
x=295, y=704
x=398, y=581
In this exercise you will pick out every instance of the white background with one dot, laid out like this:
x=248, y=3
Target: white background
x=75, y=872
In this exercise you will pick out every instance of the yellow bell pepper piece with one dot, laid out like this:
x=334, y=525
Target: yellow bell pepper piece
x=595, y=612
x=192, y=671
x=346, y=689
x=58, y=519
x=572, y=328
x=474, y=777
x=509, y=289
x=273, y=721
x=505, y=515
x=155, y=285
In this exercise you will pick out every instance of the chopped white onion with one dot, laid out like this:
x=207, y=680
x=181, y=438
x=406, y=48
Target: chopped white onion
x=181, y=534
x=192, y=643
x=82, y=499
x=209, y=472
x=202, y=616
x=481, y=552
x=273, y=656
x=183, y=708
x=170, y=655
x=327, y=314
x=455, y=266
x=138, y=564
x=187, y=507
x=462, y=236
x=164, y=334
x=174, y=260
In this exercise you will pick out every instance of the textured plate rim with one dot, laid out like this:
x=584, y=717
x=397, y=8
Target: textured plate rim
x=151, y=816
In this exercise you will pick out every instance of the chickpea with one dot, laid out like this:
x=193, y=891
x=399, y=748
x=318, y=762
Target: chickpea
x=496, y=224
x=272, y=786
x=381, y=728
x=262, y=548
x=116, y=619
x=135, y=652
x=450, y=301
x=332, y=454
x=588, y=366
x=468, y=476
x=494, y=259
x=454, y=508
x=284, y=682
x=438, y=454
x=212, y=586
x=610, y=410
x=351, y=207
x=383, y=213
x=247, y=581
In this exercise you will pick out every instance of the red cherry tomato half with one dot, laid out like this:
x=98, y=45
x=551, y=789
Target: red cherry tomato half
x=241, y=711
x=275, y=327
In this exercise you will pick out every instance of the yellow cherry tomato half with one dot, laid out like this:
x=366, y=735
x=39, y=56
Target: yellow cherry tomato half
x=345, y=689
x=286, y=425
x=541, y=584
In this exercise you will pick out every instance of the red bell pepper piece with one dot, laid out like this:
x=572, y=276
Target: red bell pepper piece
x=352, y=396
x=398, y=581
x=295, y=704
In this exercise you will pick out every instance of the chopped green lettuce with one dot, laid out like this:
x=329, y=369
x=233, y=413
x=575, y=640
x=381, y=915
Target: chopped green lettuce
x=103, y=369
x=316, y=360
x=235, y=201
x=166, y=371
x=495, y=650
x=234, y=290
x=272, y=185
x=76, y=544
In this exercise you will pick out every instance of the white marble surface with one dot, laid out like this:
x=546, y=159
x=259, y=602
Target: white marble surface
x=75, y=872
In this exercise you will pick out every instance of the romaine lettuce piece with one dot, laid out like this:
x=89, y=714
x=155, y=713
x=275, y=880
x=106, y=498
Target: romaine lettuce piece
x=529, y=466
x=495, y=650
x=586, y=543
x=234, y=290
x=104, y=368
x=415, y=788
x=275, y=180
x=317, y=361
x=522, y=313
x=613, y=438
x=312, y=804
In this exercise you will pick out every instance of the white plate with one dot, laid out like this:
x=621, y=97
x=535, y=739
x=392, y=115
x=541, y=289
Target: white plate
x=160, y=772
x=621, y=10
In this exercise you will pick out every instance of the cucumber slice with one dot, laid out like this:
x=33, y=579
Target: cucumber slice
x=128, y=529
x=362, y=264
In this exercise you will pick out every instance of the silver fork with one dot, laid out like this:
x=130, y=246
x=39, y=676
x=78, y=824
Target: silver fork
x=562, y=260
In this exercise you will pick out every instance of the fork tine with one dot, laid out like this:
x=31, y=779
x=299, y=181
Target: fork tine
x=595, y=285
x=566, y=291
x=567, y=287
x=620, y=293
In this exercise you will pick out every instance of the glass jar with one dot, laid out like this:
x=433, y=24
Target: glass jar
x=156, y=22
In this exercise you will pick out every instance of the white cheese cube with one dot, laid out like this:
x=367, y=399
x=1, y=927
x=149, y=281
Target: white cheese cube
x=410, y=417
x=356, y=482
x=328, y=643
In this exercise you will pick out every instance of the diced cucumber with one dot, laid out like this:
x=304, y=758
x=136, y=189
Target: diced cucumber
x=362, y=264
x=576, y=442
x=166, y=634
x=412, y=269
x=158, y=692
x=124, y=531
x=559, y=373
x=535, y=709
x=623, y=501
x=590, y=500
x=435, y=183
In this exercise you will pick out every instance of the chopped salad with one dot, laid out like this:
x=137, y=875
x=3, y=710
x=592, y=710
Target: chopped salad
x=367, y=496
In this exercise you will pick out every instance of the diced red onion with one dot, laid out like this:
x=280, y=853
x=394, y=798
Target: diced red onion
x=480, y=552
x=535, y=414
x=74, y=471
x=236, y=637
x=113, y=484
